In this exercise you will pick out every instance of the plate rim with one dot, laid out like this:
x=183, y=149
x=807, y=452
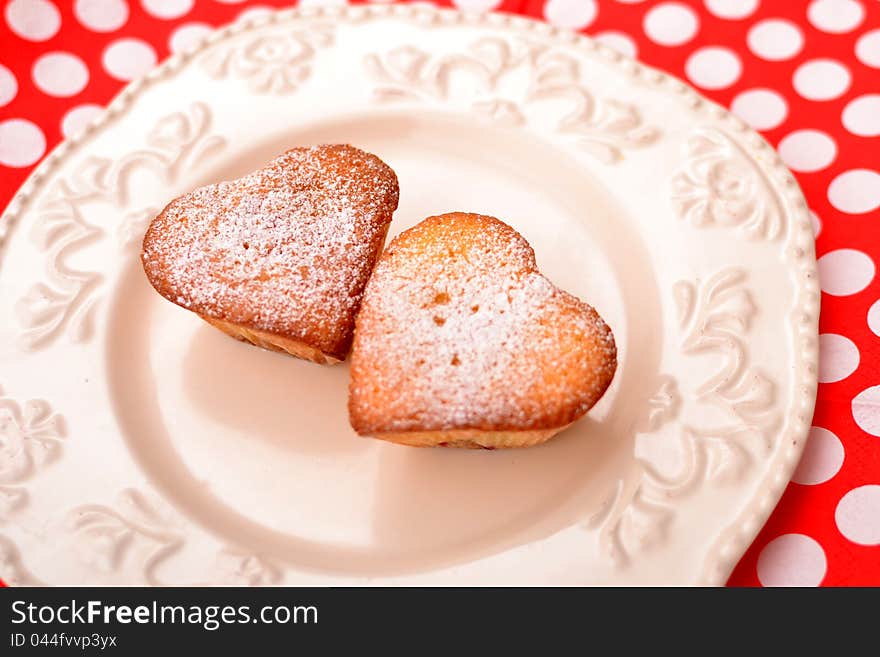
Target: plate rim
x=733, y=541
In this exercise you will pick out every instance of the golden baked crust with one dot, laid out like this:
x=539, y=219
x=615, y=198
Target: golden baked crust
x=470, y=438
x=460, y=340
x=280, y=257
x=272, y=342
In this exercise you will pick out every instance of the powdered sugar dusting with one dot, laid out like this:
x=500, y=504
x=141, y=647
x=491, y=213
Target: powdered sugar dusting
x=459, y=330
x=287, y=249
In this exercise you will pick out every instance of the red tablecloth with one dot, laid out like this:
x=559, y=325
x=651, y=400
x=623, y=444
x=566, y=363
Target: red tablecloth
x=804, y=72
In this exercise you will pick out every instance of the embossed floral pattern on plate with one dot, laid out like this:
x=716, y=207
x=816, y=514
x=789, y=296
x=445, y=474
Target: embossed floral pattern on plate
x=65, y=301
x=604, y=128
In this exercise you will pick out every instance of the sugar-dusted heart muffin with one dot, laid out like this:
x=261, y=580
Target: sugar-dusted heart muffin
x=280, y=257
x=461, y=342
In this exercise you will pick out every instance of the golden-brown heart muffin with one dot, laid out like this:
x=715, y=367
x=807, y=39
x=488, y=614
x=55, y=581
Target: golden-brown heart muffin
x=280, y=257
x=461, y=342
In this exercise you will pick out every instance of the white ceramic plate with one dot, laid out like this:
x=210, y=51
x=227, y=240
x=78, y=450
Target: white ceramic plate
x=140, y=445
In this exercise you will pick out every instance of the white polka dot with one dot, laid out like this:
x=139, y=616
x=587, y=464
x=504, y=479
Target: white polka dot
x=254, y=12
x=60, y=74
x=838, y=357
x=807, y=150
x=34, y=20
x=821, y=79
x=866, y=410
x=477, y=5
x=823, y=456
x=732, y=9
x=856, y=191
x=21, y=143
x=763, y=109
x=874, y=318
x=713, y=67
x=187, y=36
x=8, y=86
x=571, y=14
x=775, y=39
x=858, y=515
x=101, y=15
x=78, y=118
x=835, y=16
x=861, y=116
x=792, y=560
x=816, y=222
x=868, y=48
x=322, y=3
x=167, y=9
x=619, y=41
x=127, y=59
x=671, y=24
x=844, y=272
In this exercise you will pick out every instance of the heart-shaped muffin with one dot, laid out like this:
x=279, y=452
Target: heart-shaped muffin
x=280, y=257
x=461, y=342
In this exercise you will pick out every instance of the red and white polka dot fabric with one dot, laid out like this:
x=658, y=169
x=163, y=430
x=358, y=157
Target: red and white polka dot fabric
x=806, y=73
